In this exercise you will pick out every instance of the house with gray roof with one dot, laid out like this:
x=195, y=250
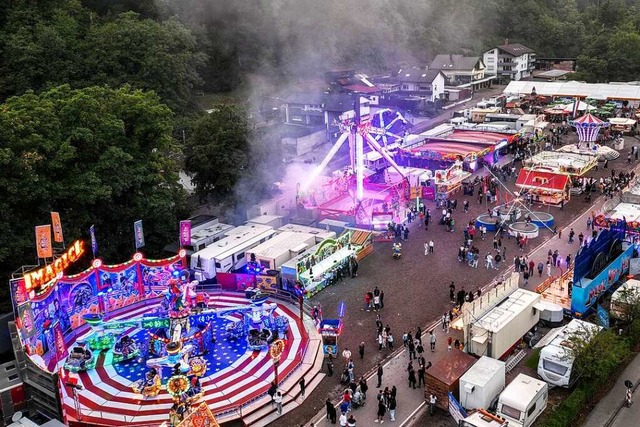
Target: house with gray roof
x=425, y=84
x=510, y=61
x=462, y=71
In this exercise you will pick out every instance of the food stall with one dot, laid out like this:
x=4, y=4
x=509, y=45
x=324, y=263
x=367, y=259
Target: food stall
x=330, y=330
x=620, y=124
x=547, y=187
x=450, y=180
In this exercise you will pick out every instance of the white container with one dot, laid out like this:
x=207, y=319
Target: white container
x=482, y=383
x=500, y=329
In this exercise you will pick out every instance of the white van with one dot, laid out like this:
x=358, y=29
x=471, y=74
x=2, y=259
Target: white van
x=556, y=362
x=523, y=400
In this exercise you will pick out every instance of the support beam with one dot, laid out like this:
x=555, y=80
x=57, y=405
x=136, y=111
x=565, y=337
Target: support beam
x=374, y=144
x=316, y=172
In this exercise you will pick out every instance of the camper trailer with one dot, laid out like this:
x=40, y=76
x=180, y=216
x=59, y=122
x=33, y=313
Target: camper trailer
x=627, y=294
x=274, y=221
x=482, y=418
x=229, y=253
x=320, y=234
x=522, y=402
x=280, y=249
x=203, y=237
x=556, y=362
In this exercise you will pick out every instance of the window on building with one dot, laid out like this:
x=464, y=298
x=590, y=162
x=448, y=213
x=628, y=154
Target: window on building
x=405, y=87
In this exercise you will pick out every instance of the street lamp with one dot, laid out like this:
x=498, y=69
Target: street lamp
x=275, y=352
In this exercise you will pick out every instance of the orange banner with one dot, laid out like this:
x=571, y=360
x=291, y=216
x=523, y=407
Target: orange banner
x=43, y=241
x=57, y=227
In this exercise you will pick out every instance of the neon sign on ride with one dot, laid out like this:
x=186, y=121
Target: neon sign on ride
x=41, y=279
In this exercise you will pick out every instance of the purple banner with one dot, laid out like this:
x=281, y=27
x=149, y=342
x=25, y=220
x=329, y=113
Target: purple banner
x=94, y=242
x=185, y=233
x=138, y=234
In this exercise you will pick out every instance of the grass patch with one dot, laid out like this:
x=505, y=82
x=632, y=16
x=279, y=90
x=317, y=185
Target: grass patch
x=532, y=361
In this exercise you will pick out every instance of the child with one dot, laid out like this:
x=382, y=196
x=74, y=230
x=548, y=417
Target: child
x=449, y=342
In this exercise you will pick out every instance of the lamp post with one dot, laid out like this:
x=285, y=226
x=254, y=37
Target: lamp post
x=275, y=352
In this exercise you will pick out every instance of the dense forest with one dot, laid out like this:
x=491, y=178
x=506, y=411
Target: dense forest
x=98, y=109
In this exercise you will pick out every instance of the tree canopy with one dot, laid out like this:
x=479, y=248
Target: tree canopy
x=98, y=156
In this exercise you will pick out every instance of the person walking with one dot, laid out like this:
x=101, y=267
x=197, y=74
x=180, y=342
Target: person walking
x=412, y=377
x=412, y=350
x=343, y=419
x=432, y=341
x=331, y=411
x=426, y=248
x=303, y=386
x=419, y=348
x=392, y=407
x=421, y=372
x=431, y=246
x=273, y=388
x=390, y=341
x=382, y=409
x=548, y=269
x=432, y=403
x=452, y=292
x=278, y=400
x=540, y=268
x=361, y=350
x=418, y=335
x=380, y=372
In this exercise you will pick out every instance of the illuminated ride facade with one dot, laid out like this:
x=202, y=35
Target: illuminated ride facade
x=134, y=344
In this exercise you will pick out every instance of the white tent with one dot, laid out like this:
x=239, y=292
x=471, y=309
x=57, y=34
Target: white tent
x=582, y=106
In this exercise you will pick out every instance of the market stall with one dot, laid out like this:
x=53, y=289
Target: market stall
x=547, y=187
x=325, y=263
x=620, y=124
x=450, y=180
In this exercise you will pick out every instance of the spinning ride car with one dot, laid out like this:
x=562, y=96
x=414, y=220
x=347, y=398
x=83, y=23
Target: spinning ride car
x=149, y=386
x=81, y=358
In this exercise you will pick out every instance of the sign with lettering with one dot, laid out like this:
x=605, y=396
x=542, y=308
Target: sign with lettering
x=46, y=275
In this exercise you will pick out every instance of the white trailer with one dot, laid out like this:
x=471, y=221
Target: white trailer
x=274, y=221
x=482, y=418
x=555, y=365
x=498, y=331
x=280, y=249
x=482, y=383
x=202, y=237
x=523, y=400
x=229, y=253
x=319, y=233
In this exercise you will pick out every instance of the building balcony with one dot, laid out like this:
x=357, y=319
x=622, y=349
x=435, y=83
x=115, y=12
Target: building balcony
x=507, y=63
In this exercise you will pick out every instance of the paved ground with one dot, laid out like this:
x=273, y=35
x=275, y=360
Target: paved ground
x=416, y=294
x=610, y=412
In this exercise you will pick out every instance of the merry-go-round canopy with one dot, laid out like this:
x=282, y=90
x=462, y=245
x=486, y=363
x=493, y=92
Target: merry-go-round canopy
x=588, y=126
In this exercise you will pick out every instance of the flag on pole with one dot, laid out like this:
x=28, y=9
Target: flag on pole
x=57, y=227
x=185, y=233
x=138, y=234
x=576, y=105
x=43, y=241
x=94, y=242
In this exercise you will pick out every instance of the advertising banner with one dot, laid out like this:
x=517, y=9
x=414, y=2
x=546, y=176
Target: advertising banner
x=455, y=409
x=43, y=241
x=185, y=233
x=94, y=242
x=57, y=227
x=138, y=234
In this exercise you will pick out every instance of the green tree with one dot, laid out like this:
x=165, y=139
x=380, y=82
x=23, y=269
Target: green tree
x=98, y=156
x=217, y=150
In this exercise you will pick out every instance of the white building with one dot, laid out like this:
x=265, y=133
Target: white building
x=426, y=84
x=462, y=71
x=509, y=61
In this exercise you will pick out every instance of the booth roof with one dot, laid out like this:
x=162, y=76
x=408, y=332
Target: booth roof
x=540, y=179
x=449, y=369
